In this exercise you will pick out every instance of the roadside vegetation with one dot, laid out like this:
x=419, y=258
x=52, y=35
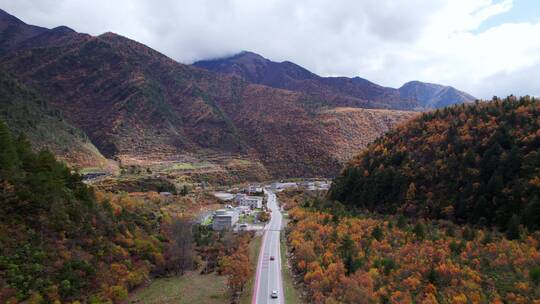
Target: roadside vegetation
x=292, y=295
x=254, y=250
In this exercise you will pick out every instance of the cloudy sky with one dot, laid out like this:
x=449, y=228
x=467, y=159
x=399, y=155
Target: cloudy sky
x=485, y=47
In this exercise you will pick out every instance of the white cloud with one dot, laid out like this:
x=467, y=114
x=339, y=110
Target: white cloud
x=387, y=41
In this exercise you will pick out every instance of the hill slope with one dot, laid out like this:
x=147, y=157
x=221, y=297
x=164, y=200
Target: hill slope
x=335, y=91
x=59, y=242
x=136, y=104
x=477, y=164
x=44, y=126
x=353, y=129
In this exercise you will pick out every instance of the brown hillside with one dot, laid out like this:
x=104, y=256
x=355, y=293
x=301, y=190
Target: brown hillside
x=135, y=103
x=353, y=129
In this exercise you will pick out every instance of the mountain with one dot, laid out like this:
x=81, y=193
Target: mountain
x=44, y=126
x=474, y=164
x=433, y=96
x=13, y=31
x=139, y=106
x=335, y=91
x=331, y=91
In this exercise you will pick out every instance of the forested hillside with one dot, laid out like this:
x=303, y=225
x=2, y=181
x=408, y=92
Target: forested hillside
x=59, y=241
x=24, y=111
x=63, y=242
x=477, y=164
x=387, y=259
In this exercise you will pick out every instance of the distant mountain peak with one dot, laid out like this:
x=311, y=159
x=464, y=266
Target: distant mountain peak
x=432, y=95
x=334, y=91
x=64, y=29
x=249, y=54
x=5, y=16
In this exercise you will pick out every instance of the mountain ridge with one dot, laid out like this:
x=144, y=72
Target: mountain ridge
x=334, y=91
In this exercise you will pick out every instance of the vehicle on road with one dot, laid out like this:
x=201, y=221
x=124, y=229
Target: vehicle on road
x=272, y=258
x=274, y=294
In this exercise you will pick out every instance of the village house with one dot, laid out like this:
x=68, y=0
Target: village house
x=283, y=186
x=254, y=202
x=225, y=219
x=243, y=209
x=252, y=189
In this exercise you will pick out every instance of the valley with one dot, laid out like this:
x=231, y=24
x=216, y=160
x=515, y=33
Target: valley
x=128, y=176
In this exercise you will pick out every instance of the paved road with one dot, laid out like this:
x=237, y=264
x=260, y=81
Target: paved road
x=268, y=277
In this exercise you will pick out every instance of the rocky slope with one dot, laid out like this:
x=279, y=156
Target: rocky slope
x=335, y=91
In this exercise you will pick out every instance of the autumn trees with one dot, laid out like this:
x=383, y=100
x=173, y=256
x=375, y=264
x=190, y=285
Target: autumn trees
x=237, y=266
x=180, y=250
x=401, y=224
x=476, y=164
x=264, y=216
x=371, y=259
x=62, y=241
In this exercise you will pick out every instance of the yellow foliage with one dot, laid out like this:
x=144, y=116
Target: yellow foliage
x=459, y=299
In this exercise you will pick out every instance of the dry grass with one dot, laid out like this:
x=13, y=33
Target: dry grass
x=190, y=288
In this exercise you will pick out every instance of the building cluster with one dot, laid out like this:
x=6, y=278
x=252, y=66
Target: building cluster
x=250, y=198
x=245, y=203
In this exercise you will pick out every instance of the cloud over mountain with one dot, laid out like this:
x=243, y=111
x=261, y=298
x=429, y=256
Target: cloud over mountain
x=387, y=41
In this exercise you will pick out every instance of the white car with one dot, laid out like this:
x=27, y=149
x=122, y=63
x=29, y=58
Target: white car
x=274, y=294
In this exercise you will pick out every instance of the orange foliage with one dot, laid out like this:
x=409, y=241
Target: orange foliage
x=401, y=268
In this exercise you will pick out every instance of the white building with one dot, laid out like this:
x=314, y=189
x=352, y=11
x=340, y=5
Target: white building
x=282, y=186
x=254, y=189
x=225, y=219
x=254, y=202
x=223, y=196
x=243, y=209
x=324, y=186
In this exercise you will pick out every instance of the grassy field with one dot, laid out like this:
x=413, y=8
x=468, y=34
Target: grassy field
x=190, y=288
x=254, y=249
x=247, y=218
x=188, y=166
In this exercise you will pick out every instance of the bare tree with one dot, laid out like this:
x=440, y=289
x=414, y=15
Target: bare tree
x=180, y=252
